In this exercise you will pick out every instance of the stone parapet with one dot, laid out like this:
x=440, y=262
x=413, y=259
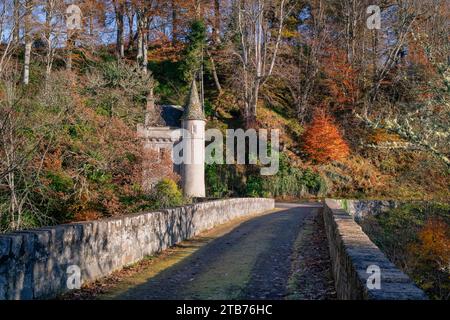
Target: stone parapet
x=354, y=257
x=35, y=264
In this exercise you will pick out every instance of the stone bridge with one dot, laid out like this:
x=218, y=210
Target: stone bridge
x=225, y=249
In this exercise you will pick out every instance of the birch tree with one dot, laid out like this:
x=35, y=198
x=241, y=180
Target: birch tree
x=16, y=25
x=260, y=25
x=28, y=39
x=52, y=31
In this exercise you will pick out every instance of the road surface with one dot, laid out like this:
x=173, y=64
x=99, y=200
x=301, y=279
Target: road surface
x=280, y=254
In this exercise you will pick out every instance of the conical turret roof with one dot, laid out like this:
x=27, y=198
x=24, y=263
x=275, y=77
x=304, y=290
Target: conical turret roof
x=193, y=109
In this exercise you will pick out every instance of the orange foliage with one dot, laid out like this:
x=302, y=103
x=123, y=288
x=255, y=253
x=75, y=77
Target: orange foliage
x=53, y=160
x=87, y=215
x=111, y=203
x=380, y=136
x=434, y=242
x=342, y=80
x=164, y=50
x=323, y=141
x=157, y=165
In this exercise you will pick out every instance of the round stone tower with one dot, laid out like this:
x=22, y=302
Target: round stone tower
x=193, y=121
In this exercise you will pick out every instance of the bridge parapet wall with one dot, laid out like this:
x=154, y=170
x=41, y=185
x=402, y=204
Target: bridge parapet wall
x=34, y=264
x=354, y=255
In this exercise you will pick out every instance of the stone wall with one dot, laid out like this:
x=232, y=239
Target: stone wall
x=34, y=264
x=352, y=253
x=360, y=209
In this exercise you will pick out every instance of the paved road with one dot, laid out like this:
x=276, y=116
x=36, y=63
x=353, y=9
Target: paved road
x=250, y=259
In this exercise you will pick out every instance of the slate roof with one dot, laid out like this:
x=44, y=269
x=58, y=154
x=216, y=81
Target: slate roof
x=193, y=109
x=171, y=115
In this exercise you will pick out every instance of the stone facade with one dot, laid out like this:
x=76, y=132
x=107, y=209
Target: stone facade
x=193, y=173
x=158, y=143
x=352, y=252
x=34, y=264
x=162, y=131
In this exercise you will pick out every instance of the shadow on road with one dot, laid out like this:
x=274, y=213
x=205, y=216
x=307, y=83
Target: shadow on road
x=250, y=262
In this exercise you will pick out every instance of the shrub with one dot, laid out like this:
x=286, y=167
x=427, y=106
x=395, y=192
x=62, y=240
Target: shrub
x=117, y=89
x=323, y=141
x=216, y=178
x=76, y=136
x=60, y=182
x=290, y=181
x=87, y=215
x=355, y=177
x=167, y=194
x=255, y=186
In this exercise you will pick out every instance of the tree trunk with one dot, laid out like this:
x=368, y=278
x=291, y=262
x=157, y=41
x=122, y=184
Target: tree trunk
x=48, y=20
x=214, y=72
x=251, y=120
x=28, y=42
x=142, y=57
x=27, y=59
x=130, y=17
x=144, y=53
x=120, y=47
x=69, y=47
x=16, y=21
x=175, y=22
x=217, y=17
x=139, y=47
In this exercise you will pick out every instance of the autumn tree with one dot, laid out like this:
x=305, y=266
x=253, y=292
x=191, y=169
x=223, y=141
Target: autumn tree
x=300, y=60
x=431, y=256
x=322, y=140
x=410, y=95
x=259, y=28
